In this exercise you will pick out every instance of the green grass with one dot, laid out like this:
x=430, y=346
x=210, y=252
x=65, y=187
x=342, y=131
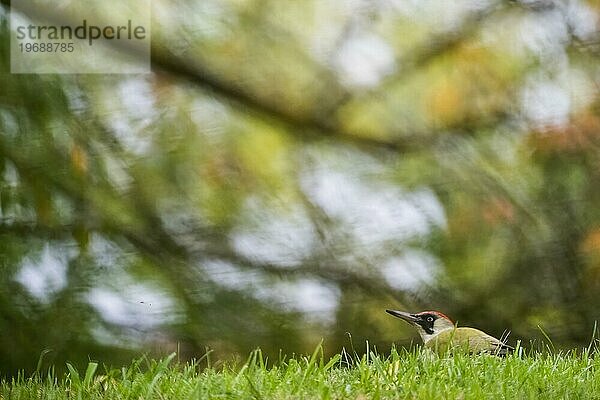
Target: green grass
x=403, y=374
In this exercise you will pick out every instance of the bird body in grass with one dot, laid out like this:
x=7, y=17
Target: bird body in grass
x=440, y=334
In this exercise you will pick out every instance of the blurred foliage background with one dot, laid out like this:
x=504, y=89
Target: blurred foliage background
x=292, y=168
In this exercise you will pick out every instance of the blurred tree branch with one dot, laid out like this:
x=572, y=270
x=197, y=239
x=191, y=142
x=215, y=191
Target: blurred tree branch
x=435, y=46
x=526, y=236
x=309, y=127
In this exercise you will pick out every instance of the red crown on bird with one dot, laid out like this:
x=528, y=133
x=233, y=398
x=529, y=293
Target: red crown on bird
x=439, y=314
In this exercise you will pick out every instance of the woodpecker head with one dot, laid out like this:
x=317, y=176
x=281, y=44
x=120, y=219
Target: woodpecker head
x=428, y=323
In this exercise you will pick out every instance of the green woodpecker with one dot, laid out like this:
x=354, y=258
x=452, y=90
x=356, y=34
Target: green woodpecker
x=440, y=334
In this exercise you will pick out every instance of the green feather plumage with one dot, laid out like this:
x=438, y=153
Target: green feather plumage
x=469, y=340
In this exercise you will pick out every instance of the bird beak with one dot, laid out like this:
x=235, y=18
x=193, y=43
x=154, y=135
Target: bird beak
x=408, y=317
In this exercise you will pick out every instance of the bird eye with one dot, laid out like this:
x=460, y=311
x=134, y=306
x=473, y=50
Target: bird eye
x=429, y=319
